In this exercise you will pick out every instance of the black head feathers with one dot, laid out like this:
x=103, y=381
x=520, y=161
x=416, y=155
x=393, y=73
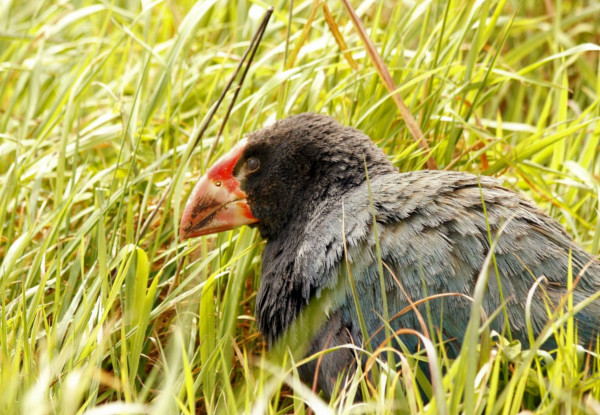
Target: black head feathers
x=305, y=159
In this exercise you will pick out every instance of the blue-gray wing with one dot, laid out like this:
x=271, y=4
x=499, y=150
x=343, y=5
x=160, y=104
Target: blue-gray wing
x=434, y=237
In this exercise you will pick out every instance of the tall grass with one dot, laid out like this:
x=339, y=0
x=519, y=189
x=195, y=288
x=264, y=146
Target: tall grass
x=99, y=105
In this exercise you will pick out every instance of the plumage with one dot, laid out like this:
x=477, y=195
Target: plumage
x=311, y=194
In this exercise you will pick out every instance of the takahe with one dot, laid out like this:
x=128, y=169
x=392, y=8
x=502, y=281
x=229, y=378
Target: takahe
x=302, y=182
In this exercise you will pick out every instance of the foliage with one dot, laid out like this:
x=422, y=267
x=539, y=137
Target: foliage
x=100, y=103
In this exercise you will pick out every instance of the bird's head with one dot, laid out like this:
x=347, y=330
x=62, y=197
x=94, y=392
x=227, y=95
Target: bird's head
x=280, y=174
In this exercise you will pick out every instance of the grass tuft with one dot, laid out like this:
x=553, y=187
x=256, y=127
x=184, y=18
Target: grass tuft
x=104, y=310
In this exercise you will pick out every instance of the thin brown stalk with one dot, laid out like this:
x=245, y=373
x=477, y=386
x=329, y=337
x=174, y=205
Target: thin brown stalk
x=388, y=81
x=303, y=35
x=338, y=37
x=410, y=301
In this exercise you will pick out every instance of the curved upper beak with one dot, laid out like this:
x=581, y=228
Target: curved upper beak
x=217, y=202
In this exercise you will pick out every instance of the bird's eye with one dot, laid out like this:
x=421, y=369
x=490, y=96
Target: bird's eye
x=253, y=164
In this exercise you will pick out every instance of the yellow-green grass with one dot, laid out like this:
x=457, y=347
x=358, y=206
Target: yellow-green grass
x=100, y=102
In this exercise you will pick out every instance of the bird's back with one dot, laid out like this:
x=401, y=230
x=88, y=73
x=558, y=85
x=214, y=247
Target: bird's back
x=434, y=237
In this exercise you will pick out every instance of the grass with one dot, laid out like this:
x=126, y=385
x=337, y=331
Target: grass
x=99, y=105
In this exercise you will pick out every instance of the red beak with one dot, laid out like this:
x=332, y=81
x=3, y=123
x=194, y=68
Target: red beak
x=217, y=202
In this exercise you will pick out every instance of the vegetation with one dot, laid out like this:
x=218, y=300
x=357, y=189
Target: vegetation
x=100, y=104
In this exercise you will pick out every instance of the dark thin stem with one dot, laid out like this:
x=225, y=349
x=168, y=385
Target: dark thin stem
x=251, y=48
x=254, y=46
x=176, y=277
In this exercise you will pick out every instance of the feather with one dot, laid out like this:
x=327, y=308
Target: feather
x=434, y=238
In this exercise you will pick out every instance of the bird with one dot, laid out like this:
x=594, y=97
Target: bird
x=326, y=199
